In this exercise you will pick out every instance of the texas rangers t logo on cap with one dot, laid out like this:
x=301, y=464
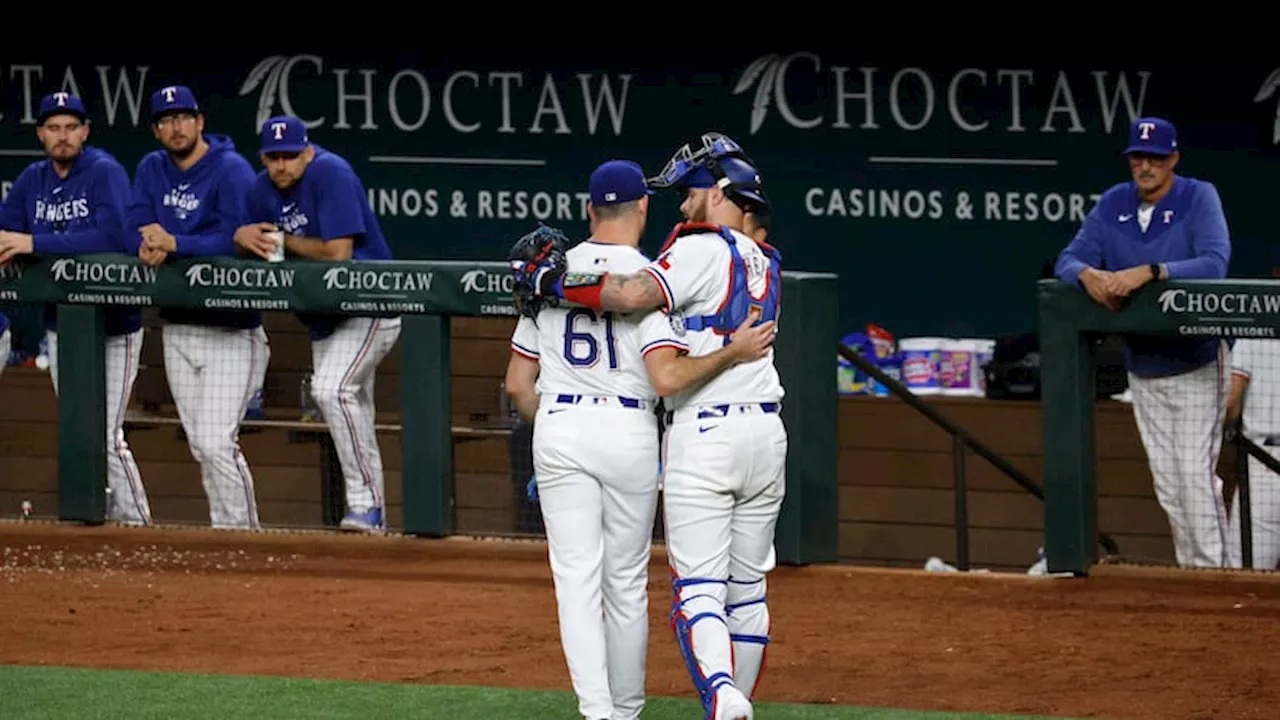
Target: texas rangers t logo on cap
x=61, y=97
x=284, y=133
x=1152, y=136
x=168, y=93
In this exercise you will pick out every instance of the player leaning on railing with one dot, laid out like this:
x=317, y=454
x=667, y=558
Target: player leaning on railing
x=70, y=203
x=314, y=198
x=1161, y=226
x=187, y=197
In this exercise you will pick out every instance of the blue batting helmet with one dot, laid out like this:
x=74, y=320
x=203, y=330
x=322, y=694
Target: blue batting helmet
x=718, y=162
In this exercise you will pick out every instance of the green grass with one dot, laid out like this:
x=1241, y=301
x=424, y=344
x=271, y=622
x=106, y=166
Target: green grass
x=55, y=692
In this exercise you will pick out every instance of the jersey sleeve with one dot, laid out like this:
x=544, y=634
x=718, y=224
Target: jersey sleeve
x=1244, y=357
x=524, y=341
x=656, y=332
x=687, y=271
x=1084, y=251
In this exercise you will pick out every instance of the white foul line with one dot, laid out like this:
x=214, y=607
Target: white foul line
x=419, y=160
x=899, y=160
x=21, y=153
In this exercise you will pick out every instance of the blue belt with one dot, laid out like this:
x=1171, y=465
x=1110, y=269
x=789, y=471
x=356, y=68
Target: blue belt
x=599, y=400
x=719, y=411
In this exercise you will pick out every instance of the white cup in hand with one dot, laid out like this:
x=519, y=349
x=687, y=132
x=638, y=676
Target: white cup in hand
x=276, y=255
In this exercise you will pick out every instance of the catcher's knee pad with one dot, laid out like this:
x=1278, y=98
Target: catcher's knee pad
x=698, y=600
x=747, y=615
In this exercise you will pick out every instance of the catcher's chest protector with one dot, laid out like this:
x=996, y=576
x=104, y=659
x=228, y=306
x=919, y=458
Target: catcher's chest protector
x=740, y=302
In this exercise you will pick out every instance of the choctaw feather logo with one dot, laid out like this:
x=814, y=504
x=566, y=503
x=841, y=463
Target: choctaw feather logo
x=331, y=278
x=266, y=74
x=760, y=73
x=765, y=74
x=1269, y=88
x=270, y=73
x=1168, y=298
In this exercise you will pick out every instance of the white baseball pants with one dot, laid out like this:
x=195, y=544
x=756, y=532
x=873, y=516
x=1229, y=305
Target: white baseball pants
x=128, y=500
x=213, y=373
x=345, y=365
x=596, y=466
x=724, y=481
x=1180, y=421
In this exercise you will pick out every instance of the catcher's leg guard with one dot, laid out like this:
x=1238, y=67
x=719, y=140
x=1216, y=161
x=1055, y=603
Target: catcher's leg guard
x=690, y=607
x=747, y=615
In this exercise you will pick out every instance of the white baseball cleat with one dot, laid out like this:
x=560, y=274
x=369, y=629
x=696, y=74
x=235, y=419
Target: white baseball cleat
x=731, y=704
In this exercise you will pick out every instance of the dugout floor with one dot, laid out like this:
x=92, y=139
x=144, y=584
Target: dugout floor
x=1125, y=643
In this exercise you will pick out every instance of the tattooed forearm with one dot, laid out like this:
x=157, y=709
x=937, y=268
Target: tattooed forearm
x=629, y=293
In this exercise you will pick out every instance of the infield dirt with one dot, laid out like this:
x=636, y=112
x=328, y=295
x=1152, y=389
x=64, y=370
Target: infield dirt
x=1123, y=643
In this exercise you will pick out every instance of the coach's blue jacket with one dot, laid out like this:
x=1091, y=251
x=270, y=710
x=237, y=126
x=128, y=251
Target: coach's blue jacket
x=77, y=215
x=1188, y=233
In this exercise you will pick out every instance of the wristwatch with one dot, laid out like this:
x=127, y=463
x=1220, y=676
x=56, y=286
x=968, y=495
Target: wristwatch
x=1155, y=271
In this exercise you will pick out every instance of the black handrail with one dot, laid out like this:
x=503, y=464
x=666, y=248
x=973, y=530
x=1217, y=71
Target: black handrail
x=961, y=439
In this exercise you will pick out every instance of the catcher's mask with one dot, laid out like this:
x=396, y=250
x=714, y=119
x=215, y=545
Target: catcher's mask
x=718, y=162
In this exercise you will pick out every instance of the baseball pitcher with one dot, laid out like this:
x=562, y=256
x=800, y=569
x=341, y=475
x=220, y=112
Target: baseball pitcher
x=316, y=200
x=725, y=454
x=187, y=199
x=1255, y=396
x=71, y=203
x=1161, y=226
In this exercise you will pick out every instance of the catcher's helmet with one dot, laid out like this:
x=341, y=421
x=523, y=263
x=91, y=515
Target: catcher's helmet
x=719, y=162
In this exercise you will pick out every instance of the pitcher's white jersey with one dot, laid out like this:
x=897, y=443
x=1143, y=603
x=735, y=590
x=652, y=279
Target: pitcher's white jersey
x=695, y=274
x=582, y=352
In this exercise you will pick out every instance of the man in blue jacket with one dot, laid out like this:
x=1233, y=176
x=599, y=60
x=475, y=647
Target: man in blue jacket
x=73, y=203
x=314, y=197
x=1164, y=226
x=187, y=199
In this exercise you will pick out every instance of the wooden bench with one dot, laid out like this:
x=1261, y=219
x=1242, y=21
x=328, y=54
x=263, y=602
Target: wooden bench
x=143, y=419
x=301, y=430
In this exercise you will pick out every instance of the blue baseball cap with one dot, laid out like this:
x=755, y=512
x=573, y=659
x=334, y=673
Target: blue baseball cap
x=284, y=134
x=618, y=181
x=60, y=103
x=1152, y=135
x=171, y=99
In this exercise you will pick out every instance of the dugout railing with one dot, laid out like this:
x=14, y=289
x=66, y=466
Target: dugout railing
x=427, y=294
x=962, y=442
x=1071, y=326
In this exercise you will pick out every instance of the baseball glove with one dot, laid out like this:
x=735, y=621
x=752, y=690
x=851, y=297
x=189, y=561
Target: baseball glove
x=537, y=263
